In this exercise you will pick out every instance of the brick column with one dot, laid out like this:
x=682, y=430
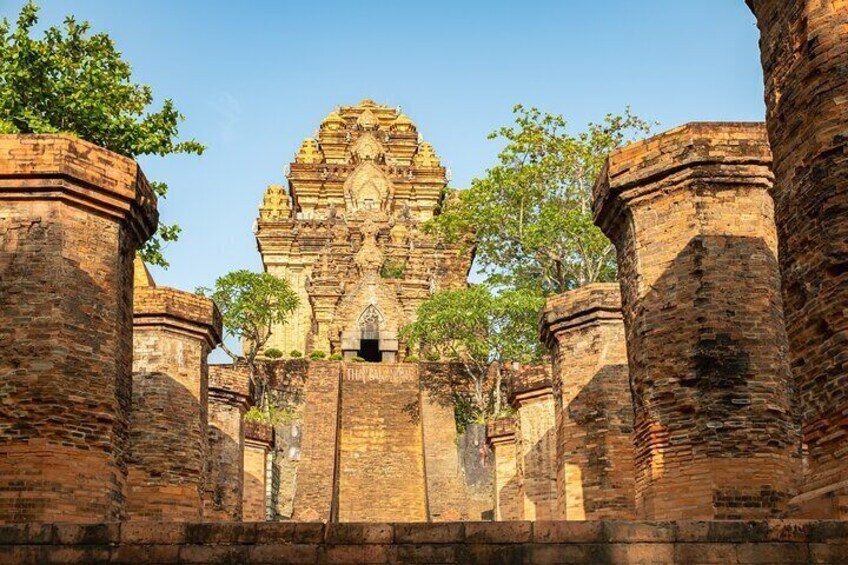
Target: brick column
x=508, y=503
x=584, y=331
x=174, y=332
x=258, y=441
x=804, y=58
x=691, y=218
x=229, y=397
x=536, y=443
x=71, y=217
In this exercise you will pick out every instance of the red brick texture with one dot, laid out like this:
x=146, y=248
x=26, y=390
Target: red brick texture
x=509, y=504
x=584, y=331
x=229, y=397
x=804, y=47
x=71, y=217
x=258, y=441
x=691, y=218
x=174, y=332
x=535, y=438
x=316, y=471
x=484, y=543
x=381, y=452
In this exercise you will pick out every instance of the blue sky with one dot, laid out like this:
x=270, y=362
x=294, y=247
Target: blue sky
x=255, y=78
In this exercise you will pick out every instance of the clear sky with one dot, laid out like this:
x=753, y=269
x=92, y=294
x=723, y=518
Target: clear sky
x=255, y=78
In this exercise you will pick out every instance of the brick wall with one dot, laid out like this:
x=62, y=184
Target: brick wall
x=173, y=333
x=229, y=396
x=71, y=217
x=691, y=218
x=482, y=543
x=509, y=504
x=317, y=467
x=381, y=454
x=594, y=413
x=804, y=57
x=535, y=436
x=258, y=441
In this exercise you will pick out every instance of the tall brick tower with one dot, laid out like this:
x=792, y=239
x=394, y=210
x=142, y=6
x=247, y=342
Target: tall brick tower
x=347, y=234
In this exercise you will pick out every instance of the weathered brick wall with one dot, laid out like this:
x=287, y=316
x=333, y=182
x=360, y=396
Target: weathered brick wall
x=584, y=330
x=381, y=453
x=316, y=471
x=459, y=467
x=535, y=436
x=691, y=219
x=71, y=216
x=229, y=397
x=509, y=504
x=173, y=333
x=543, y=543
x=258, y=441
x=804, y=48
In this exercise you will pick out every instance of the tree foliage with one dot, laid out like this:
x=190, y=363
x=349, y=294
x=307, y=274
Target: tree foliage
x=483, y=331
x=251, y=304
x=531, y=212
x=71, y=81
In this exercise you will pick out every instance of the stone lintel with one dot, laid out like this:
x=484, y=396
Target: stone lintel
x=718, y=153
x=259, y=434
x=230, y=385
x=177, y=310
x=590, y=304
x=501, y=431
x=68, y=169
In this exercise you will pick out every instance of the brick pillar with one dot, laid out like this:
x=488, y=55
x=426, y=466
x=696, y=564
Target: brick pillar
x=258, y=441
x=804, y=58
x=584, y=331
x=508, y=503
x=535, y=443
x=691, y=218
x=174, y=332
x=71, y=217
x=229, y=397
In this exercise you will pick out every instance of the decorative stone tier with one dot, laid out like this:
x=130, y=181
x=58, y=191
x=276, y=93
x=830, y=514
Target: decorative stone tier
x=508, y=498
x=173, y=333
x=804, y=47
x=71, y=218
x=230, y=392
x=584, y=331
x=535, y=437
x=258, y=442
x=543, y=543
x=691, y=219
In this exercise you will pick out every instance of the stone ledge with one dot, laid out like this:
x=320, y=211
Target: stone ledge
x=586, y=305
x=180, y=310
x=65, y=168
x=230, y=384
x=773, y=541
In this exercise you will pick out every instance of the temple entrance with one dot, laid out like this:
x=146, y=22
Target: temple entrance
x=369, y=349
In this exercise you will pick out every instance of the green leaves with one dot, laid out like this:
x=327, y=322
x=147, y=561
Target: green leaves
x=75, y=82
x=251, y=303
x=531, y=212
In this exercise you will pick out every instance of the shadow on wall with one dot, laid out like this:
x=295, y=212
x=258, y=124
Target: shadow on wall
x=713, y=370
x=223, y=493
x=600, y=447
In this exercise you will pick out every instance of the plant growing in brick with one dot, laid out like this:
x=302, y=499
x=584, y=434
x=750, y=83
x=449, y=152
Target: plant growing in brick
x=483, y=331
x=72, y=82
x=531, y=212
x=251, y=304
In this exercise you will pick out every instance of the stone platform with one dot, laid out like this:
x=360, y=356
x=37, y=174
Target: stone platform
x=615, y=542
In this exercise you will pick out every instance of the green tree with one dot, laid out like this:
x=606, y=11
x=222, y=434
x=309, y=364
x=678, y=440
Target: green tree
x=531, y=212
x=482, y=331
x=251, y=304
x=70, y=81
